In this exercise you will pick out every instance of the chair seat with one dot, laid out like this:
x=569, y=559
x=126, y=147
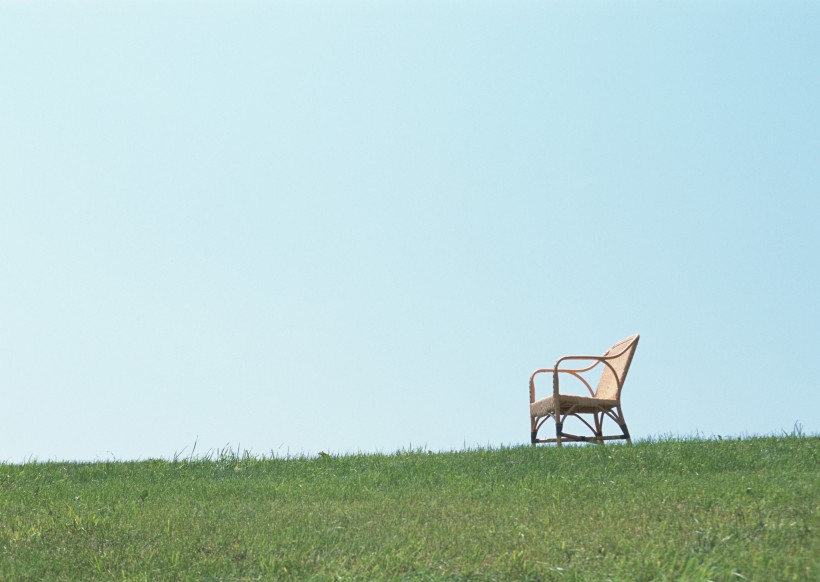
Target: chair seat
x=581, y=404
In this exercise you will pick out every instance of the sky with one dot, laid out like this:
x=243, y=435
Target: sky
x=290, y=227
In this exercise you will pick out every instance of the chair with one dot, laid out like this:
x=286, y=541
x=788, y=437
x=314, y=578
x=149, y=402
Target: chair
x=604, y=402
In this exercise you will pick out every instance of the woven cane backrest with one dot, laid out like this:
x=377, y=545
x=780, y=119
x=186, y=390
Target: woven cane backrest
x=610, y=386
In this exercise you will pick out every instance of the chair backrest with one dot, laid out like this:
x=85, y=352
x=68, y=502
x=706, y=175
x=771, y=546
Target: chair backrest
x=612, y=380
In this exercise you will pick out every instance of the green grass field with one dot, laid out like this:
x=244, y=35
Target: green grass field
x=690, y=509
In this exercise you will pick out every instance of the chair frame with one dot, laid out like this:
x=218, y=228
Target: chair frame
x=593, y=405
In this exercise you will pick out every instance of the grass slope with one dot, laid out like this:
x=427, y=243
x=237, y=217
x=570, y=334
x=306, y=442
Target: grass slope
x=695, y=510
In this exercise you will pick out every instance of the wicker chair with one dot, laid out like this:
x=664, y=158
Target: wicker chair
x=604, y=402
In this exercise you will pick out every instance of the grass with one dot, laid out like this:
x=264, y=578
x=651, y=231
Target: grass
x=690, y=509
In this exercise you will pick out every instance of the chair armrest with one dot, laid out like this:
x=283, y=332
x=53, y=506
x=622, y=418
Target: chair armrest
x=597, y=360
x=555, y=371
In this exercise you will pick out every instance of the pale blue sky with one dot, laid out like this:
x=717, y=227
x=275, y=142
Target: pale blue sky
x=344, y=226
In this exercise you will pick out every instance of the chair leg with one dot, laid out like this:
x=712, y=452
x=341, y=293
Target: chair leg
x=622, y=424
x=533, y=430
x=599, y=425
x=558, y=428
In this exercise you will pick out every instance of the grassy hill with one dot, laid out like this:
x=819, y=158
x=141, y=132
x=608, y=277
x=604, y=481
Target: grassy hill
x=692, y=509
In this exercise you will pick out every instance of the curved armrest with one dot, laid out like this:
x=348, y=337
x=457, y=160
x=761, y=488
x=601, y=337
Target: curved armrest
x=597, y=360
x=555, y=371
